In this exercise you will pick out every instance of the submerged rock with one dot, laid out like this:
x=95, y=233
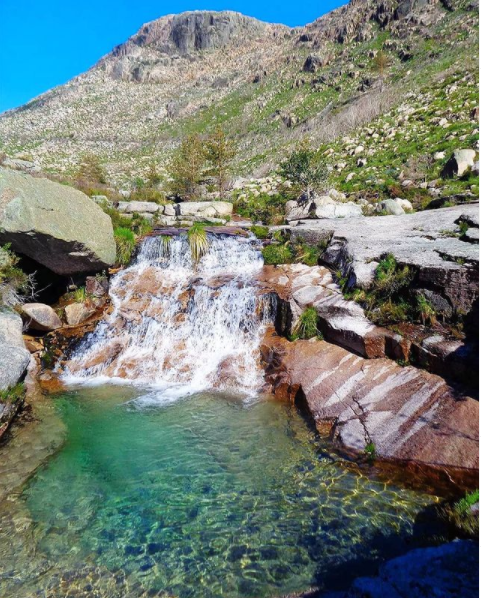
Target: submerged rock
x=443, y=571
x=55, y=225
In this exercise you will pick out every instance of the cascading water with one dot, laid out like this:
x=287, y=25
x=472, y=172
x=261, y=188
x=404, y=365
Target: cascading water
x=178, y=325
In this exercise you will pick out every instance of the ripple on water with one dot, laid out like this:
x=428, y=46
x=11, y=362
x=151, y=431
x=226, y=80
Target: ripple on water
x=206, y=496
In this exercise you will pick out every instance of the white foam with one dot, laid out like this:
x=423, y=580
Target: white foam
x=212, y=342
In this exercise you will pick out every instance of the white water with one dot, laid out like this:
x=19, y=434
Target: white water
x=177, y=327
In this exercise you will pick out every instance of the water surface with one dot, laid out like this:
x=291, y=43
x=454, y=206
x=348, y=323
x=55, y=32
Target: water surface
x=210, y=495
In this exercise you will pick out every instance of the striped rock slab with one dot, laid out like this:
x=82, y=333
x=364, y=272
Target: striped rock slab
x=409, y=414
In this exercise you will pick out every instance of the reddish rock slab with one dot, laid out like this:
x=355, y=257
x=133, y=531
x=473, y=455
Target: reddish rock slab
x=410, y=415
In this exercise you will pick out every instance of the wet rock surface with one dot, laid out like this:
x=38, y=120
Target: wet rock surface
x=39, y=316
x=14, y=357
x=408, y=414
x=444, y=571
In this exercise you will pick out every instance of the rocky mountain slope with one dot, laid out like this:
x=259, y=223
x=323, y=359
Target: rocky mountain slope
x=268, y=86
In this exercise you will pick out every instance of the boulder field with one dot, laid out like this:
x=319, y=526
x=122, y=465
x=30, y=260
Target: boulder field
x=56, y=225
x=183, y=214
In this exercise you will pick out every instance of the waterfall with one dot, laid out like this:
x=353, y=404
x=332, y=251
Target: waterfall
x=179, y=326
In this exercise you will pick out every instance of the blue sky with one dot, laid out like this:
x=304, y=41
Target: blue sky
x=46, y=43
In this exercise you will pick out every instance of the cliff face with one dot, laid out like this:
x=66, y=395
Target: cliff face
x=159, y=42
x=266, y=85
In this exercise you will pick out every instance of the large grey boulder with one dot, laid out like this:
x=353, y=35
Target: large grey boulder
x=39, y=316
x=205, y=208
x=139, y=207
x=324, y=206
x=18, y=164
x=426, y=241
x=338, y=210
x=55, y=225
x=391, y=207
x=14, y=357
x=459, y=163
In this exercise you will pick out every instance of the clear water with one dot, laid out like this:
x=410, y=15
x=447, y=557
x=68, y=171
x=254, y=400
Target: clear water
x=210, y=495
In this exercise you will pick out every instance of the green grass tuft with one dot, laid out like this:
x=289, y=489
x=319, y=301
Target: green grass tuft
x=125, y=241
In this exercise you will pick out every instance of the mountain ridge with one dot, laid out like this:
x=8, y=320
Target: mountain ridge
x=267, y=88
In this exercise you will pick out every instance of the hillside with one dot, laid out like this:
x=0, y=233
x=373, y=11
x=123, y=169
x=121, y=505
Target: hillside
x=269, y=86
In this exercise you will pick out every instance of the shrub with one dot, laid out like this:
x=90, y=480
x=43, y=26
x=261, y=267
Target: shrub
x=219, y=152
x=425, y=310
x=90, y=171
x=464, y=504
x=307, y=254
x=389, y=278
x=370, y=451
x=304, y=168
x=263, y=207
x=261, y=232
x=277, y=254
x=15, y=285
x=80, y=295
x=14, y=394
x=198, y=241
x=463, y=521
x=306, y=326
x=125, y=241
x=187, y=167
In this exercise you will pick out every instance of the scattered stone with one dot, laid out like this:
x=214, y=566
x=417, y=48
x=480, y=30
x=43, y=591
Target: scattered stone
x=39, y=316
x=314, y=62
x=76, y=313
x=391, y=207
x=98, y=286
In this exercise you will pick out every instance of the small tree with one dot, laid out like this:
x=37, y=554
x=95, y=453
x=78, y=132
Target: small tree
x=219, y=152
x=304, y=169
x=187, y=167
x=380, y=63
x=153, y=175
x=91, y=171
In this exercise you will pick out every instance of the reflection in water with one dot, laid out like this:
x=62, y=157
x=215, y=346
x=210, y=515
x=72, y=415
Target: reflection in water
x=211, y=495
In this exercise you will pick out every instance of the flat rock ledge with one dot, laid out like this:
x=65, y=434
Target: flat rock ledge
x=295, y=287
x=408, y=414
x=446, y=262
